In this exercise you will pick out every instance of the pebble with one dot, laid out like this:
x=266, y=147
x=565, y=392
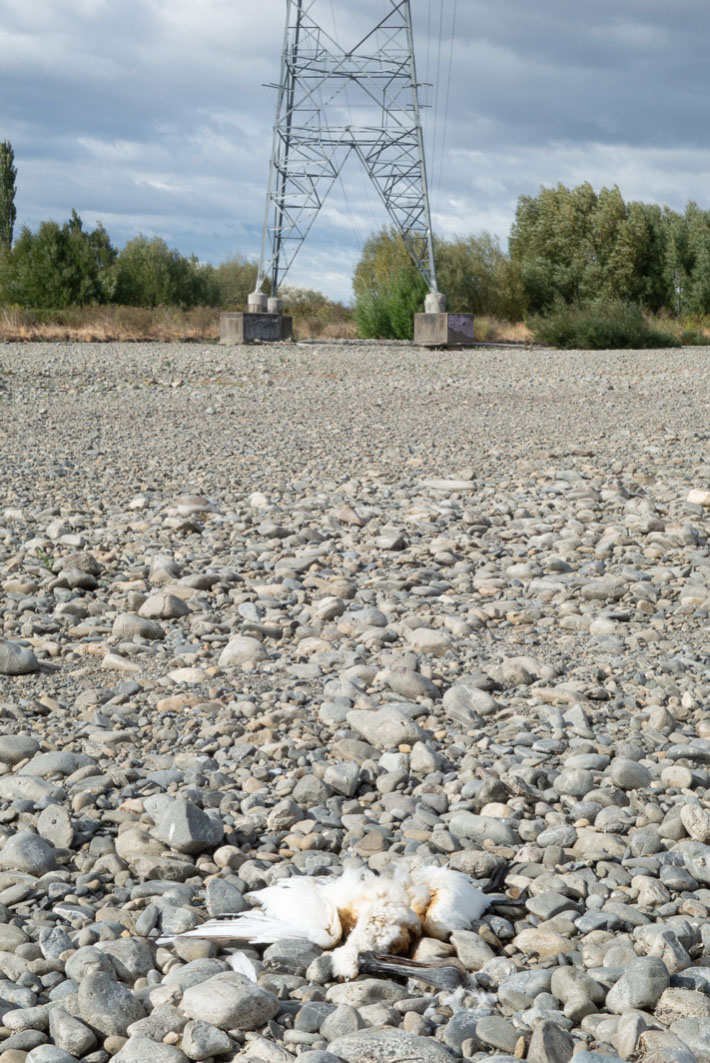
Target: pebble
x=297, y=638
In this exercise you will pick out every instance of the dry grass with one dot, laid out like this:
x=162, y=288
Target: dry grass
x=495, y=330
x=121, y=324
x=104, y=324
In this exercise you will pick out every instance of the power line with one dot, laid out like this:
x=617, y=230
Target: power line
x=446, y=105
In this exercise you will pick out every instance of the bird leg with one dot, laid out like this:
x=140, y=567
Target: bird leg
x=447, y=974
x=497, y=878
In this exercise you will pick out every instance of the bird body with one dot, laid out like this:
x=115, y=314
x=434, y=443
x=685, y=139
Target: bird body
x=359, y=912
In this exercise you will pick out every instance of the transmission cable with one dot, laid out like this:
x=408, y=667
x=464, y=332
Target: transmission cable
x=446, y=105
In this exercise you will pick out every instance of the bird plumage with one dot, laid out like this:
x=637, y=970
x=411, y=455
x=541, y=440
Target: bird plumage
x=359, y=912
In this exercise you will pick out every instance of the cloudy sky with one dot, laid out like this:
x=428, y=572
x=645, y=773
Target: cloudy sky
x=151, y=116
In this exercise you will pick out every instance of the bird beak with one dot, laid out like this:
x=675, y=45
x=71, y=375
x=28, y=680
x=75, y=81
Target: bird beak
x=445, y=976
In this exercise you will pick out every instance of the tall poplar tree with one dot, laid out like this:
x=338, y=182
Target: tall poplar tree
x=8, y=213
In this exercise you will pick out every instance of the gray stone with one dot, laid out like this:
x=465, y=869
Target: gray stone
x=471, y=949
x=629, y=774
x=108, y=1005
x=58, y=762
x=385, y=728
x=389, y=1046
x=550, y=1044
x=200, y=1040
x=187, y=829
x=697, y=863
x=292, y=955
x=242, y=650
x=70, y=1033
x=483, y=828
x=17, y=660
x=663, y=1046
x=497, y=1032
x=29, y=853
x=50, y=1054
x=85, y=960
x=465, y=702
x=130, y=957
x=696, y=820
x=129, y=626
x=342, y=1020
x=640, y=986
x=54, y=825
x=141, y=1049
x=461, y=1027
x=229, y=1001
x=14, y=748
x=695, y=1033
x=223, y=898
x=163, y=606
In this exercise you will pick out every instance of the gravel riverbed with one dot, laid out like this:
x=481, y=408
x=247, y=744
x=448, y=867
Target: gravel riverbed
x=278, y=610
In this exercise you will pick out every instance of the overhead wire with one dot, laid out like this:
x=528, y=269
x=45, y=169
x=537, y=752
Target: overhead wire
x=446, y=104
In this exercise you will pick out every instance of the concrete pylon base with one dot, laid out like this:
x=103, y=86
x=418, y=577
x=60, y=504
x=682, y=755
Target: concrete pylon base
x=239, y=328
x=443, y=330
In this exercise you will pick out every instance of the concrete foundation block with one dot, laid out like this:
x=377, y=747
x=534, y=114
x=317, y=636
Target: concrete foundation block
x=239, y=328
x=443, y=330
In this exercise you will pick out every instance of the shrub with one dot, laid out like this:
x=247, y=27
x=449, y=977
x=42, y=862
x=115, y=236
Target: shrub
x=388, y=313
x=599, y=326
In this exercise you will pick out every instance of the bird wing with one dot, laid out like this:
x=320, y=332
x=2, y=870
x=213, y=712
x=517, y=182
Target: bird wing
x=455, y=902
x=305, y=905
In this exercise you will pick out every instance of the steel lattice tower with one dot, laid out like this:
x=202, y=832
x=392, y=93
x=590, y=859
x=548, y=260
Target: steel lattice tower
x=330, y=103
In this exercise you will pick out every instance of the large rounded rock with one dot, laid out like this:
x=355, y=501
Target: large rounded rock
x=230, y=1002
x=107, y=1005
x=29, y=853
x=640, y=986
x=164, y=606
x=14, y=748
x=242, y=650
x=696, y=821
x=385, y=728
x=187, y=829
x=17, y=660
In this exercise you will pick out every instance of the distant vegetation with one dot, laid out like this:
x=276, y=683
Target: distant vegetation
x=583, y=268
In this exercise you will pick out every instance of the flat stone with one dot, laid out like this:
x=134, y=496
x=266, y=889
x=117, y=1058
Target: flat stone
x=229, y=1001
x=385, y=728
x=389, y=1046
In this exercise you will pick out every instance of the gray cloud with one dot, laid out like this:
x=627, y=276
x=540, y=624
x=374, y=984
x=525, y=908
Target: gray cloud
x=150, y=115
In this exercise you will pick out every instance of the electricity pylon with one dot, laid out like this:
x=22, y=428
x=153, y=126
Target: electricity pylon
x=332, y=102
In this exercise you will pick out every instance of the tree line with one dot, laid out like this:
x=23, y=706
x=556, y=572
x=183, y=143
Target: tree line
x=568, y=247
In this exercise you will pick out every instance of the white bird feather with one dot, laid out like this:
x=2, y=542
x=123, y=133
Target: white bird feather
x=358, y=911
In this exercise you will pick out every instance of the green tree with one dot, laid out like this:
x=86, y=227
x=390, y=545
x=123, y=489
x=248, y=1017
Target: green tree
x=236, y=278
x=478, y=277
x=473, y=272
x=149, y=273
x=552, y=244
x=58, y=266
x=8, y=213
x=389, y=290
